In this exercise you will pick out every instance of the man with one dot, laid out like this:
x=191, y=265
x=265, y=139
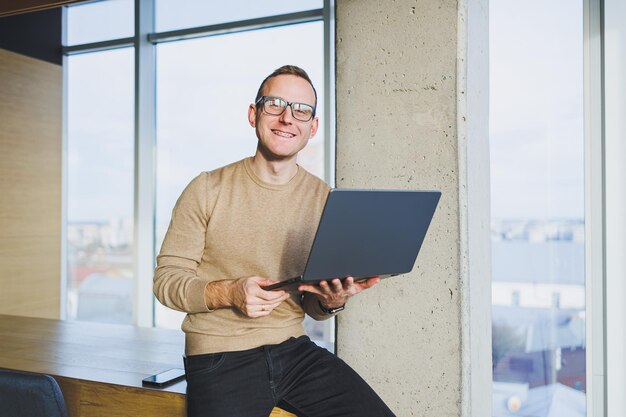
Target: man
x=237, y=229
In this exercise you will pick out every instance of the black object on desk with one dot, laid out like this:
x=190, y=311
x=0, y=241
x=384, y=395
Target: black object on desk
x=164, y=379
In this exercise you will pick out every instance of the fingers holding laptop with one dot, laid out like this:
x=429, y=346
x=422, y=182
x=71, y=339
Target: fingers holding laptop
x=335, y=293
x=247, y=295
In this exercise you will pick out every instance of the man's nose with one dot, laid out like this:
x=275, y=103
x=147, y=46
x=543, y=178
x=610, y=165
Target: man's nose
x=287, y=116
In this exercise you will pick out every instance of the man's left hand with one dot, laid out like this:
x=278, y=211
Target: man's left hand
x=335, y=293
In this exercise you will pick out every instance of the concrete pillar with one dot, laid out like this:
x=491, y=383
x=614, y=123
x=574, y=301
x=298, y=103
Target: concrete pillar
x=412, y=106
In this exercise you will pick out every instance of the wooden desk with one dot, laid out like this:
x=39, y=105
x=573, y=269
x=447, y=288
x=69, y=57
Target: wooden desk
x=99, y=367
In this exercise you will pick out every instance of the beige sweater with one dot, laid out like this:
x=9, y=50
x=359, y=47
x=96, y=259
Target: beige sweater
x=229, y=224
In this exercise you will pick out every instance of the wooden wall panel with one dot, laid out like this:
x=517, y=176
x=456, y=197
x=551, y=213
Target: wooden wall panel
x=30, y=185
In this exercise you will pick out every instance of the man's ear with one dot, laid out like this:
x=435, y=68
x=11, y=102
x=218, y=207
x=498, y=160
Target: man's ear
x=315, y=124
x=252, y=115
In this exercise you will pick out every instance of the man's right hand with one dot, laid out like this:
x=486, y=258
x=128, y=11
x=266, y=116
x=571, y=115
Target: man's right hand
x=246, y=294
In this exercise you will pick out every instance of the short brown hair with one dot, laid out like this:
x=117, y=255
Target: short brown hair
x=288, y=70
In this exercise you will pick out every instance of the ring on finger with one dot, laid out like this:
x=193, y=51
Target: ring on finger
x=262, y=307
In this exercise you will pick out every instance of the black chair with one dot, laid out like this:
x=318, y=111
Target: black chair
x=30, y=395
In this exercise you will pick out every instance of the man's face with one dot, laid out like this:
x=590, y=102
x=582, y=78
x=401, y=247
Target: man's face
x=282, y=137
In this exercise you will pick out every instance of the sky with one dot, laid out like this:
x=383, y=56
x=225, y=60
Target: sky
x=536, y=109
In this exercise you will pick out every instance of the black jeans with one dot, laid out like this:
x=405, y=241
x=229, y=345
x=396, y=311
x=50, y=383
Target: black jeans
x=296, y=374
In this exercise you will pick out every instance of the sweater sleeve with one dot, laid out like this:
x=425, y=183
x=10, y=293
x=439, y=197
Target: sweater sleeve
x=176, y=283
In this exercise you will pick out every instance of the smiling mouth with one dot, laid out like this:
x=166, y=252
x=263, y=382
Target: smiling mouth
x=283, y=134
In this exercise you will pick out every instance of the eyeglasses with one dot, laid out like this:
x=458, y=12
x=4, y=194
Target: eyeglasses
x=276, y=106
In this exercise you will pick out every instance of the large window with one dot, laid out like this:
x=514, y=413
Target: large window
x=537, y=180
x=203, y=86
x=100, y=186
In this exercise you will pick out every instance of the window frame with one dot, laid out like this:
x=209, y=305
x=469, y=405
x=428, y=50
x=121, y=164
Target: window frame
x=607, y=202
x=594, y=209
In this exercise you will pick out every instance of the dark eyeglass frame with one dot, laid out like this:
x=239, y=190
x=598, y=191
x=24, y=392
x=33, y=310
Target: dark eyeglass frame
x=263, y=99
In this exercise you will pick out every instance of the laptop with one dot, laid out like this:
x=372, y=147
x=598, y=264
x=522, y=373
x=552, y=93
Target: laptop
x=363, y=233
